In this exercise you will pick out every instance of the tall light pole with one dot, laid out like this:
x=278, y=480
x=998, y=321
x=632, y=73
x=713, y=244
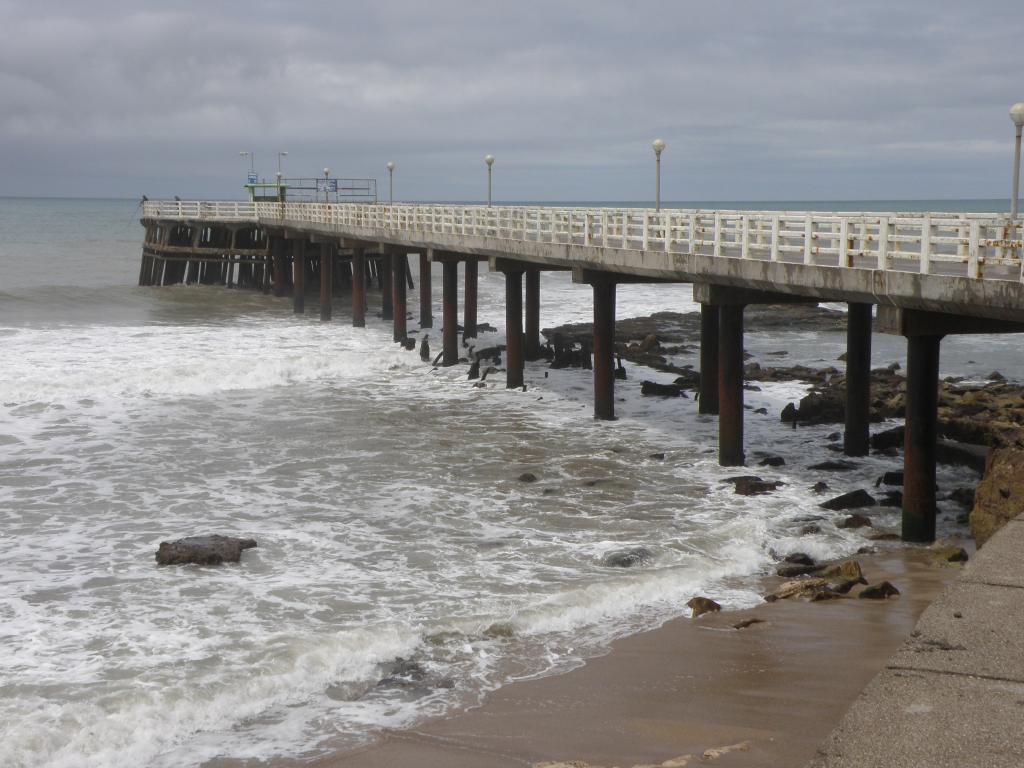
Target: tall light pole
x=489, y=159
x=1017, y=115
x=327, y=186
x=391, y=181
x=252, y=160
x=659, y=147
x=279, y=156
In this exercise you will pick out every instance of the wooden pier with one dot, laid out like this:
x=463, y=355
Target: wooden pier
x=928, y=274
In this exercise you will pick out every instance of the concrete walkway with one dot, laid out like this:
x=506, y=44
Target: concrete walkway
x=953, y=695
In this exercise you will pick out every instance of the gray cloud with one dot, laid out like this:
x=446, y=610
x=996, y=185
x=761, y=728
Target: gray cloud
x=781, y=100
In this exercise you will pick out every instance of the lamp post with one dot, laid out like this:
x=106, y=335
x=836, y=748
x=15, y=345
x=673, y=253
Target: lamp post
x=391, y=181
x=1017, y=115
x=327, y=177
x=279, y=199
x=252, y=160
x=659, y=147
x=279, y=156
x=489, y=159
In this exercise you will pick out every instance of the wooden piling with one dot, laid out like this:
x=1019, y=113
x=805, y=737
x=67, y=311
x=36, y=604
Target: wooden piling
x=513, y=327
x=470, y=298
x=450, y=312
x=358, y=288
x=326, y=278
x=856, y=436
x=399, y=269
x=299, y=276
x=604, y=350
x=730, y=385
x=920, y=439
x=531, y=340
x=708, y=401
x=426, y=299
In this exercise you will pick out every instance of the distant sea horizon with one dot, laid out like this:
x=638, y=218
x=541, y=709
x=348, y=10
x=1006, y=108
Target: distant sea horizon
x=879, y=205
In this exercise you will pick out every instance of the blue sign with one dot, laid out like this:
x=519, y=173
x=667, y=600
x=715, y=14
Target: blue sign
x=253, y=178
x=326, y=185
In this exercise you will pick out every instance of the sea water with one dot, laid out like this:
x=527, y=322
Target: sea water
x=383, y=492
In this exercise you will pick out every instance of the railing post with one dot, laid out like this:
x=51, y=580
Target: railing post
x=693, y=233
x=775, y=238
x=644, y=230
x=883, y=243
x=844, y=249
x=808, y=240
x=973, y=247
x=745, y=237
x=926, y=244
x=716, y=248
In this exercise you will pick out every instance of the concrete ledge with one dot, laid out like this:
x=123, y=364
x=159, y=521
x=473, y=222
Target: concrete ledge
x=953, y=694
x=906, y=719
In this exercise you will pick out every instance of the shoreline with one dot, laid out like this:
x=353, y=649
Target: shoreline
x=766, y=695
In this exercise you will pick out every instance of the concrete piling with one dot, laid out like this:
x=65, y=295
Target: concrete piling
x=513, y=327
x=450, y=312
x=920, y=439
x=277, y=253
x=470, y=298
x=604, y=349
x=426, y=298
x=730, y=385
x=856, y=436
x=386, y=286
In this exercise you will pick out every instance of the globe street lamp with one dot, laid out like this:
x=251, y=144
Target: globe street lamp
x=489, y=159
x=279, y=156
x=1017, y=115
x=659, y=147
x=327, y=177
x=391, y=181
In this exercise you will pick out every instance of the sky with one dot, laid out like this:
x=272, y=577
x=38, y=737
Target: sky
x=765, y=100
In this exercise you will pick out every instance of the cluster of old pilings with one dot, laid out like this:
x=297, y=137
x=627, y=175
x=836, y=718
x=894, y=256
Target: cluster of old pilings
x=290, y=261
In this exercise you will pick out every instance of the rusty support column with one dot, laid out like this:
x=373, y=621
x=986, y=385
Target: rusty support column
x=531, y=342
x=298, y=276
x=604, y=350
x=399, y=268
x=856, y=436
x=358, y=288
x=708, y=402
x=513, y=327
x=469, y=321
x=920, y=439
x=450, y=312
x=326, y=280
x=387, y=289
x=730, y=385
x=280, y=284
x=426, y=300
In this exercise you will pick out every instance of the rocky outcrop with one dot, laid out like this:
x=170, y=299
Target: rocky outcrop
x=203, y=550
x=852, y=500
x=999, y=496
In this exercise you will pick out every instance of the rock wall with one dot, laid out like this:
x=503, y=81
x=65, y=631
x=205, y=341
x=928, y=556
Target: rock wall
x=1000, y=495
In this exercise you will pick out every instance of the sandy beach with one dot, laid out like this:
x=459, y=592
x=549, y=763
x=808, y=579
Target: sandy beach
x=690, y=692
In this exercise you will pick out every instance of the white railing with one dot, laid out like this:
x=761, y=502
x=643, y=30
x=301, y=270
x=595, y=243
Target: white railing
x=945, y=243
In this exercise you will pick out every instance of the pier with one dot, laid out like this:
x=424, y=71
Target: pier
x=928, y=274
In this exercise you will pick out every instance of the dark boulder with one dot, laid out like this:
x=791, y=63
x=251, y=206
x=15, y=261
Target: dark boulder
x=881, y=591
x=756, y=487
x=888, y=438
x=702, y=605
x=852, y=500
x=890, y=478
x=528, y=477
x=773, y=461
x=834, y=465
x=660, y=390
x=855, y=521
x=203, y=550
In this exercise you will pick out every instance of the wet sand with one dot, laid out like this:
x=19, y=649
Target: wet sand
x=762, y=696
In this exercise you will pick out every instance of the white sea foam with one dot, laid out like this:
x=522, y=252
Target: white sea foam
x=390, y=523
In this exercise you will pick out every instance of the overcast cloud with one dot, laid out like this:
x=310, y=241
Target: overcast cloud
x=780, y=100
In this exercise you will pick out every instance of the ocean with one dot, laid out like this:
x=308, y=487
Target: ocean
x=383, y=494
